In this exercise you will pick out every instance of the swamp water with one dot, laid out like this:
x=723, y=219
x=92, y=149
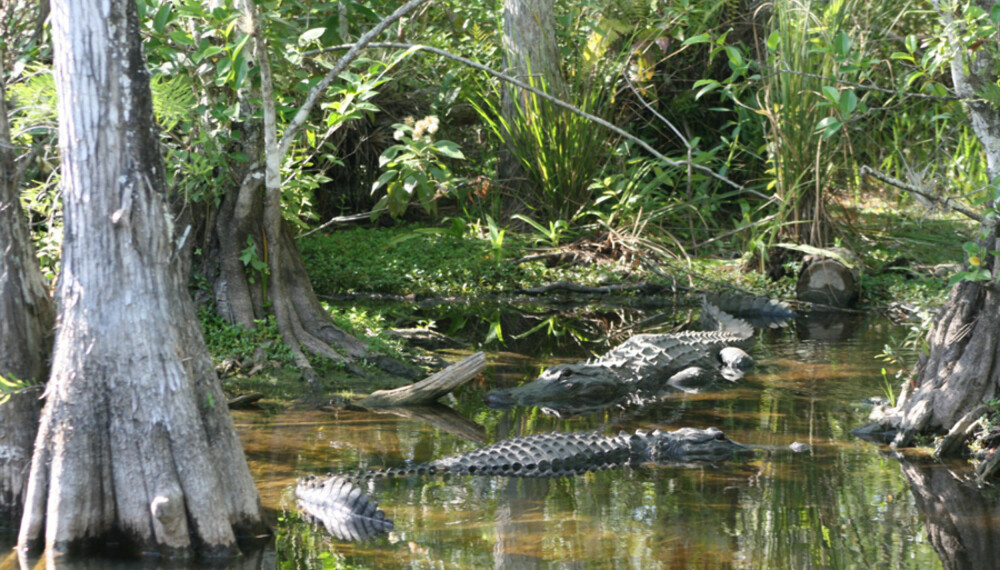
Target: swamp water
x=844, y=504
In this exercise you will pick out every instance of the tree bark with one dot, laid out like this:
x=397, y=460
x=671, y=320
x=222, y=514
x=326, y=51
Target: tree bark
x=18, y=426
x=253, y=212
x=962, y=368
x=135, y=440
x=26, y=310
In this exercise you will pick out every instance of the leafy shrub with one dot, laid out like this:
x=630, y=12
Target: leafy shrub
x=230, y=341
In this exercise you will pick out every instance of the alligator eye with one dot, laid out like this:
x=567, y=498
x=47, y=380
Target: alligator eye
x=720, y=436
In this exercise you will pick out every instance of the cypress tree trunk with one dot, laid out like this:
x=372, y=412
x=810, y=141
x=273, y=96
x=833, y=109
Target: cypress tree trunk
x=962, y=369
x=135, y=439
x=26, y=310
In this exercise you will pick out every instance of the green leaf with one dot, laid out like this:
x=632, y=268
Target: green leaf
x=911, y=43
x=829, y=126
x=832, y=94
x=206, y=53
x=162, y=18
x=903, y=56
x=735, y=57
x=311, y=35
x=449, y=149
x=182, y=38
x=773, y=40
x=707, y=86
x=848, y=102
x=410, y=184
x=699, y=39
x=389, y=154
x=383, y=180
x=842, y=43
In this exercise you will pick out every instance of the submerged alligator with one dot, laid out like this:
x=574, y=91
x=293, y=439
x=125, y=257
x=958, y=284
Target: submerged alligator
x=647, y=363
x=348, y=513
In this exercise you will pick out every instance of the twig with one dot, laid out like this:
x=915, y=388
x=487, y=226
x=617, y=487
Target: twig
x=944, y=202
x=354, y=50
x=341, y=220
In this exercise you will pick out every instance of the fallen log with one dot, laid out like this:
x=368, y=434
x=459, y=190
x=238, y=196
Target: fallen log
x=429, y=389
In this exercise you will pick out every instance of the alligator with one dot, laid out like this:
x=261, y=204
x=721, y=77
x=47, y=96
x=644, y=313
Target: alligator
x=340, y=504
x=647, y=363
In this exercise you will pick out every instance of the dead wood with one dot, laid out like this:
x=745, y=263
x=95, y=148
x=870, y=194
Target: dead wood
x=429, y=389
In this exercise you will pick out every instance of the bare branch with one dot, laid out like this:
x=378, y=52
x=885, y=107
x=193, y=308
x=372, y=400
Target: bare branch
x=944, y=202
x=558, y=102
x=354, y=50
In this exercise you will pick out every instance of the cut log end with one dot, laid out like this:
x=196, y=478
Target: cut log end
x=828, y=282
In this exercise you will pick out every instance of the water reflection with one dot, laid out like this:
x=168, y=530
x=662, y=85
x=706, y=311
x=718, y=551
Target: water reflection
x=962, y=520
x=841, y=505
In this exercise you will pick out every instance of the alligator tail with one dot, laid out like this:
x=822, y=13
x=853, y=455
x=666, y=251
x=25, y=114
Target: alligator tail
x=342, y=507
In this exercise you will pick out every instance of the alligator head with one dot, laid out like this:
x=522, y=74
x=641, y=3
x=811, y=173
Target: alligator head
x=560, y=389
x=686, y=445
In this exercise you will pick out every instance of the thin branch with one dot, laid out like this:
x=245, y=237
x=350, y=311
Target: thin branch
x=341, y=220
x=944, y=202
x=558, y=102
x=868, y=87
x=354, y=50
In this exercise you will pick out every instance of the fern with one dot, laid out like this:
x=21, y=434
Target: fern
x=33, y=111
x=173, y=99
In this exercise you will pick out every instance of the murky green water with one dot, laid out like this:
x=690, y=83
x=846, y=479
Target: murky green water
x=845, y=504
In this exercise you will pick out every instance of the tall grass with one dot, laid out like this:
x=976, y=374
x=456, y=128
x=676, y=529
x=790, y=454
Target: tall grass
x=801, y=51
x=560, y=153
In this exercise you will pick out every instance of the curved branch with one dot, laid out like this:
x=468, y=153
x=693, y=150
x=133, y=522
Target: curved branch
x=555, y=101
x=944, y=202
x=320, y=88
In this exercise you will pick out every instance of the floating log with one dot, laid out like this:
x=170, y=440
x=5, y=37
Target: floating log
x=429, y=389
x=830, y=280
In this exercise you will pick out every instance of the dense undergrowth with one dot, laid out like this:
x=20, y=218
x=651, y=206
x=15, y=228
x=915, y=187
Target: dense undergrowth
x=767, y=115
x=900, y=251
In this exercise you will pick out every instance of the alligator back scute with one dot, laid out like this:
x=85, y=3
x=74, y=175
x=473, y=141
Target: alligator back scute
x=650, y=357
x=342, y=507
x=716, y=320
x=541, y=455
x=762, y=312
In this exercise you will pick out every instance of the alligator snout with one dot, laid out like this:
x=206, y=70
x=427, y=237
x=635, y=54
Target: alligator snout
x=499, y=400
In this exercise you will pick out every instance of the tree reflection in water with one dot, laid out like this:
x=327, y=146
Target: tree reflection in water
x=962, y=519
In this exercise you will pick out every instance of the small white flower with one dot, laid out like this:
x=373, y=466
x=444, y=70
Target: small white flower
x=398, y=135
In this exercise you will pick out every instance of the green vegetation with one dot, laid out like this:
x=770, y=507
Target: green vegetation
x=786, y=103
x=228, y=341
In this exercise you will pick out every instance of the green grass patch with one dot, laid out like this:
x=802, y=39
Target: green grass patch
x=391, y=260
